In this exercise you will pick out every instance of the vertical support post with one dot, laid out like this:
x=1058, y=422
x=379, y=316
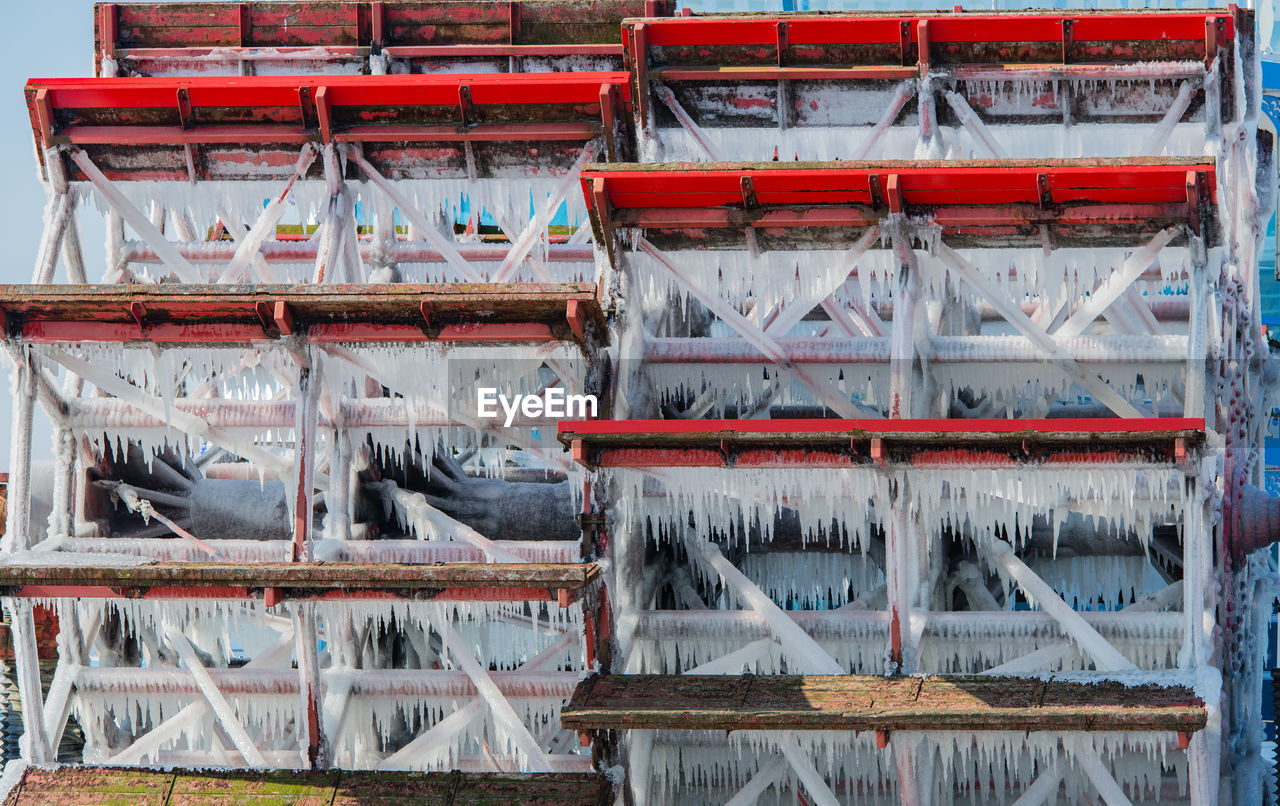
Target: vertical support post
x=310, y=741
x=64, y=476
x=57, y=213
x=338, y=499
x=329, y=254
x=1197, y=334
x=899, y=578
x=113, y=245
x=17, y=535
x=35, y=742
x=304, y=434
x=640, y=69
x=902, y=358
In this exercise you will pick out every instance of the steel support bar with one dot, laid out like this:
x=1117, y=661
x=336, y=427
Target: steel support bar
x=221, y=707
x=409, y=683
x=304, y=252
x=1105, y=656
x=140, y=223
x=802, y=651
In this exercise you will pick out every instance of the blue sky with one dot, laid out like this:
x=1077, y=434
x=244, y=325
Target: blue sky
x=43, y=38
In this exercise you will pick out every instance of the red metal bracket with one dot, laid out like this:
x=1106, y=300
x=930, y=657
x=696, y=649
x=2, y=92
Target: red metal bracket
x=377, y=25
x=1193, y=201
x=923, y=45
x=464, y=105
x=244, y=24
x=107, y=32
x=44, y=118
x=576, y=315
x=184, y=108
x=282, y=317
x=893, y=194
x=513, y=22
x=324, y=116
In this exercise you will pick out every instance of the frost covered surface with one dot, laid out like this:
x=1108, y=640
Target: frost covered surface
x=392, y=698
x=777, y=276
x=694, y=502
x=423, y=378
x=987, y=767
x=827, y=142
x=700, y=502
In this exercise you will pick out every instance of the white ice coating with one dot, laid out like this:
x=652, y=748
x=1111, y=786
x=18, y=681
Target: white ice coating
x=429, y=376
x=984, y=767
x=964, y=642
x=830, y=142
x=777, y=276
x=801, y=580
x=503, y=635
x=694, y=503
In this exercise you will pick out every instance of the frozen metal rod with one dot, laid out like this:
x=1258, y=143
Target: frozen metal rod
x=134, y=503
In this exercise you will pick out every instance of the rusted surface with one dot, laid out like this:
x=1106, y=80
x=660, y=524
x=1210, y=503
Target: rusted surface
x=180, y=312
x=858, y=703
x=293, y=579
x=843, y=443
x=82, y=786
x=303, y=23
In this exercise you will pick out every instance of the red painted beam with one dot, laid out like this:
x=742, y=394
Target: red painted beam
x=186, y=314
x=961, y=183
x=854, y=443
x=1117, y=28
x=147, y=111
x=1065, y=427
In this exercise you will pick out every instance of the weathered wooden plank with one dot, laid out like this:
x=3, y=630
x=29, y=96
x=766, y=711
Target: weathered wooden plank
x=345, y=576
x=257, y=788
x=88, y=786
x=73, y=786
x=855, y=702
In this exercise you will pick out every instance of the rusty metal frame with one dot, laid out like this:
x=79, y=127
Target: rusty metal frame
x=229, y=314
x=301, y=580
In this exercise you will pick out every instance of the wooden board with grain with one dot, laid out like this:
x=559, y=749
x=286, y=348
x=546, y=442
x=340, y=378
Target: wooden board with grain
x=858, y=702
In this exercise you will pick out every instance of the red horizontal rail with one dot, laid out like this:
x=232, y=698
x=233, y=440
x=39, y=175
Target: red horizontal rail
x=1157, y=426
x=358, y=91
x=942, y=29
x=853, y=443
x=691, y=186
x=283, y=108
x=231, y=314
